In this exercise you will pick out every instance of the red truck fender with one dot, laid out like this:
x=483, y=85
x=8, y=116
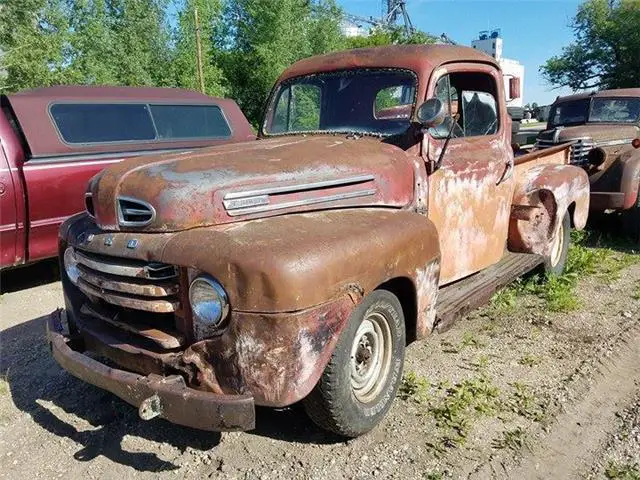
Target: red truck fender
x=630, y=182
x=542, y=196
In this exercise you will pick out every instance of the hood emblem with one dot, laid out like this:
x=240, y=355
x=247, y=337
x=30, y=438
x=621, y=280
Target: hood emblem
x=108, y=240
x=258, y=201
x=90, y=238
x=133, y=243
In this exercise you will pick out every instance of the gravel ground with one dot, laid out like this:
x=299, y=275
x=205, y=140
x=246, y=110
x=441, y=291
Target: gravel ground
x=478, y=401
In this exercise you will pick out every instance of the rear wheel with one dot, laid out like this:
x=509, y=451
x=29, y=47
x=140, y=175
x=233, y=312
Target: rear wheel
x=631, y=221
x=361, y=380
x=556, y=261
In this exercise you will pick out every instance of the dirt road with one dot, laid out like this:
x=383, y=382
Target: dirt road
x=516, y=390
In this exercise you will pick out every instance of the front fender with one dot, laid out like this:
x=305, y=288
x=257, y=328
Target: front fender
x=292, y=262
x=542, y=196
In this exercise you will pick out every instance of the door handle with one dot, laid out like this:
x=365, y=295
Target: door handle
x=508, y=172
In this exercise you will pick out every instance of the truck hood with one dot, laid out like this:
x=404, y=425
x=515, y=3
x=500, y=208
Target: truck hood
x=599, y=133
x=250, y=180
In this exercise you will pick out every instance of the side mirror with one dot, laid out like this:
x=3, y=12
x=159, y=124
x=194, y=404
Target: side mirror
x=431, y=113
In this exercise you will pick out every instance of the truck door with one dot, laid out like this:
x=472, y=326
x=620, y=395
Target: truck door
x=8, y=213
x=470, y=192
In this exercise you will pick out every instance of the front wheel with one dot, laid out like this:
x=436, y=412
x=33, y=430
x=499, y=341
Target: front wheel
x=362, y=377
x=556, y=261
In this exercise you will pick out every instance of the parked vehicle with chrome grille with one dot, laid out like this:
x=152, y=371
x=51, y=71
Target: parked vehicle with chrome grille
x=53, y=140
x=605, y=130
x=373, y=211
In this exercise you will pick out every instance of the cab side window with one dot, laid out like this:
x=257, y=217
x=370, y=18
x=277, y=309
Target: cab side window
x=470, y=98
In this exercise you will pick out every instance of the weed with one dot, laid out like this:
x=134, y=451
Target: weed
x=481, y=363
x=523, y=402
x=504, y=300
x=636, y=291
x=433, y=476
x=415, y=387
x=512, y=439
x=448, y=347
x=622, y=471
x=529, y=360
x=453, y=411
x=469, y=340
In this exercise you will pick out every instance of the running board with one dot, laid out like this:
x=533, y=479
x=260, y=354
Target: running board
x=459, y=298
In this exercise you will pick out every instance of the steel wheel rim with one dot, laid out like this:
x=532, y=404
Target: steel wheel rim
x=558, y=245
x=371, y=357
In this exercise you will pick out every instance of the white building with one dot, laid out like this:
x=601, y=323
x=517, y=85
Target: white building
x=491, y=44
x=350, y=29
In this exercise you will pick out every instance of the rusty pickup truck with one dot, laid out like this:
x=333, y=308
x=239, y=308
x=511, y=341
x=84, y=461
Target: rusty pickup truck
x=381, y=202
x=605, y=130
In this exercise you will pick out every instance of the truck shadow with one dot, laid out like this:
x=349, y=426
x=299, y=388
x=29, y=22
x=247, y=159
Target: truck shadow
x=58, y=402
x=607, y=231
x=21, y=278
x=99, y=421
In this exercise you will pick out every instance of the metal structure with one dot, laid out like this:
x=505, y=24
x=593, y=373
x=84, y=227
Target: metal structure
x=392, y=11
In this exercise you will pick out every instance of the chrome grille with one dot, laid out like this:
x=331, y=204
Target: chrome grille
x=134, y=284
x=579, y=150
x=134, y=213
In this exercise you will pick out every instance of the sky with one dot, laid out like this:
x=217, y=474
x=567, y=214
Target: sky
x=532, y=30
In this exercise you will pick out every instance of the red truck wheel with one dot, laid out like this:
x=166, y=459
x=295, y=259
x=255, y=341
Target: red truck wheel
x=365, y=370
x=556, y=261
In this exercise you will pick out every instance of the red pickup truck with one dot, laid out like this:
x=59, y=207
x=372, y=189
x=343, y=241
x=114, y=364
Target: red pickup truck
x=53, y=140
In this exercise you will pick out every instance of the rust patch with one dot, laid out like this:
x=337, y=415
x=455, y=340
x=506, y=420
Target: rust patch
x=277, y=358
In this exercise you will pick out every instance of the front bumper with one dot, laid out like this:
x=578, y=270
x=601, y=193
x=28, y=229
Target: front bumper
x=165, y=396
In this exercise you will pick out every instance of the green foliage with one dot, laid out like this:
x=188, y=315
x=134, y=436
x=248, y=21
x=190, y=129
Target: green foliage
x=34, y=36
x=264, y=37
x=529, y=360
x=620, y=471
x=523, y=402
x=512, y=439
x=184, y=64
x=606, y=50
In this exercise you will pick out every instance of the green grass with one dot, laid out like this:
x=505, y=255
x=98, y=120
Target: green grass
x=524, y=403
x=513, y=439
x=529, y=360
x=619, y=471
x=586, y=257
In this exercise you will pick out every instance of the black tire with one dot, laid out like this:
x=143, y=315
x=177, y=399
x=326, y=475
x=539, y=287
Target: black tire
x=336, y=404
x=631, y=221
x=556, y=261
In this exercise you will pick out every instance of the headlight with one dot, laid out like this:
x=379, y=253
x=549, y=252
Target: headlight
x=71, y=265
x=208, y=303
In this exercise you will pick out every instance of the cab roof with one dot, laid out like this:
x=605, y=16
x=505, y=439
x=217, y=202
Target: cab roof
x=620, y=92
x=418, y=58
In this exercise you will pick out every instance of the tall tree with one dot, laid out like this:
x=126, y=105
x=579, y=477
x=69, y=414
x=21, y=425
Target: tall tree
x=141, y=42
x=263, y=37
x=34, y=38
x=93, y=42
x=606, y=50
x=184, y=58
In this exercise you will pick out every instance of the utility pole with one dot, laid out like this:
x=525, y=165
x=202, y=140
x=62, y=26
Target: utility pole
x=198, y=50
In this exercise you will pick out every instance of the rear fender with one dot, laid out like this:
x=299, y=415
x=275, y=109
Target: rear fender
x=542, y=196
x=630, y=182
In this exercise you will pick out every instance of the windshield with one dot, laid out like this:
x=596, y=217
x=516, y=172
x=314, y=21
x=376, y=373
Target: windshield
x=360, y=100
x=604, y=110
